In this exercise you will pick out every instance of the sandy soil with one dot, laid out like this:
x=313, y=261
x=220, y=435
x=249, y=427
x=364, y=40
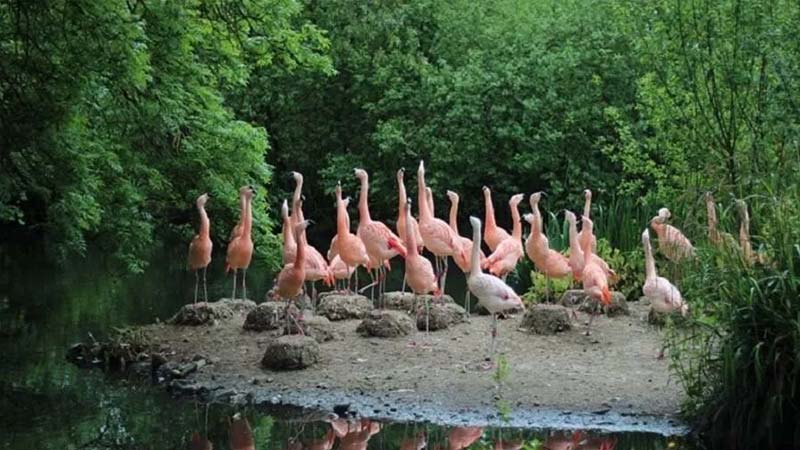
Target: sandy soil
x=609, y=379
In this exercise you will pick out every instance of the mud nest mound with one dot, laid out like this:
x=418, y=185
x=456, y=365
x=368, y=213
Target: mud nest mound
x=205, y=313
x=618, y=306
x=386, y=324
x=291, y=352
x=546, y=319
x=267, y=316
x=344, y=306
x=442, y=315
x=404, y=301
x=317, y=327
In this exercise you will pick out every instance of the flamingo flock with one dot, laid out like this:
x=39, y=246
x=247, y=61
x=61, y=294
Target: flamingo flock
x=374, y=245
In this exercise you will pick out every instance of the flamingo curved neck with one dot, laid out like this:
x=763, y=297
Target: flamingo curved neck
x=587, y=206
x=574, y=245
x=487, y=195
x=363, y=207
x=422, y=197
x=401, y=204
x=300, y=256
x=410, y=237
x=205, y=224
x=516, y=231
x=298, y=189
x=342, y=228
x=248, y=218
x=649, y=261
x=475, y=257
x=454, y=216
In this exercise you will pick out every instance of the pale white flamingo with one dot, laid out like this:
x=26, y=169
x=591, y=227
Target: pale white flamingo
x=200, y=247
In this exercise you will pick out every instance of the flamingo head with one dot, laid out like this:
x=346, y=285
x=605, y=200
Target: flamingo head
x=570, y=216
x=709, y=197
x=516, y=199
x=475, y=222
x=535, y=198
x=298, y=177
x=486, y=191
x=587, y=194
x=646, y=236
x=400, y=172
x=201, y=200
x=361, y=174
x=346, y=201
x=528, y=218
x=452, y=196
x=664, y=214
x=249, y=192
x=514, y=301
x=339, y=189
x=421, y=169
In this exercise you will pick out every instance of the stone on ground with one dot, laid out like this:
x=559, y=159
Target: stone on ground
x=344, y=306
x=442, y=315
x=267, y=316
x=619, y=306
x=291, y=352
x=386, y=324
x=404, y=301
x=546, y=319
x=203, y=313
x=317, y=327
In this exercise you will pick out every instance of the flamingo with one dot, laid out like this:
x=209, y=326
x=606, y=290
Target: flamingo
x=715, y=236
x=438, y=236
x=493, y=235
x=501, y=444
x=492, y=292
x=587, y=210
x=663, y=295
x=576, y=258
x=293, y=275
x=325, y=443
x=417, y=442
x=508, y=252
x=240, y=249
x=548, y=261
x=241, y=435
x=316, y=266
x=744, y=233
x=401, y=213
x=460, y=438
x=419, y=271
x=464, y=243
x=200, y=248
x=350, y=247
x=289, y=244
x=358, y=437
x=672, y=243
x=595, y=280
x=381, y=243
x=198, y=442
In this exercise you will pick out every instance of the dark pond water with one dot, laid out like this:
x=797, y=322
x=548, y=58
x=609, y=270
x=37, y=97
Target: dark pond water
x=47, y=403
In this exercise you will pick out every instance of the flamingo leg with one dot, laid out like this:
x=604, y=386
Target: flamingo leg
x=314, y=295
x=205, y=285
x=444, y=273
x=466, y=304
x=404, y=284
x=494, y=337
x=427, y=317
x=589, y=325
x=356, y=288
x=196, y=284
x=244, y=284
x=233, y=295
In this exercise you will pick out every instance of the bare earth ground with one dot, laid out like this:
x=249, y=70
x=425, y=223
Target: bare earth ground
x=609, y=380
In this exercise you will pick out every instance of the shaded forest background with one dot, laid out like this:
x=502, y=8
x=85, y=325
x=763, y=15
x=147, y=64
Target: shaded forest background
x=114, y=115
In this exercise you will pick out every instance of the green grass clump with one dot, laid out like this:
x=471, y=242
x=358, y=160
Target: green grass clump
x=738, y=356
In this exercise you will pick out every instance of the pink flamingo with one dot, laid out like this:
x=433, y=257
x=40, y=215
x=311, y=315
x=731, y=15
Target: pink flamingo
x=595, y=281
x=460, y=438
x=401, y=213
x=289, y=244
x=576, y=257
x=200, y=248
x=715, y=236
x=417, y=442
x=465, y=244
x=672, y=243
x=340, y=270
x=316, y=265
x=664, y=296
x=241, y=435
x=548, y=261
x=492, y=292
x=240, y=249
x=381, y=243
x=506, y=255
x=438, y=236
x=587, y=210
x=419, y=271
x=293, y=275
x=493, y=235
x=744, y=233
x=350, y=247
x=198, y=442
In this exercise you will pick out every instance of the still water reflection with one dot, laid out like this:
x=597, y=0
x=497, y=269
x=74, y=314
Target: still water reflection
x=46, y=403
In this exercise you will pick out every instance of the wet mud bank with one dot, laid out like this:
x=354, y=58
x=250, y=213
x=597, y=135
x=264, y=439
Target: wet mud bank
x=563, y=379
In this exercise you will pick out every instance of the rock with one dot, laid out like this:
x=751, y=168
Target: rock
x=442, y=315
x=266, y=316
x=404, y=301
x=386, y=324
x=618, y=306
x=344, y=306
x=546, y=319
x=204, y=313
x=291, y=352
x=317, y=327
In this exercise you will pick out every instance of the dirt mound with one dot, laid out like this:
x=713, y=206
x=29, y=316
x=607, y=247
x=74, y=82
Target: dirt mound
x=344, y=306
x=317, y=327
x=442, y=316
x=267, y=316
x=205, y=313
x=291, y=352
x=619, y=306
x=386, y=324
x=405, y=301
x=546, y=319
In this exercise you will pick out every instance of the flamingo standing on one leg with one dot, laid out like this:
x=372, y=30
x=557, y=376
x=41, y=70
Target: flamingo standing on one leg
x=316, y=265
x=293, y=275
x=419, y=271
x=506, y=255
x=672, y=243
x=381, y=243
x=492, y=293
x=465, y=244
x=664, y=296
x=438, y=236
x=576, y=258
x=595, y=281
x=200, y=248
x=240, y=249
x=548, y=261
x=587, y=210
x=493, y=235
x=350, y=247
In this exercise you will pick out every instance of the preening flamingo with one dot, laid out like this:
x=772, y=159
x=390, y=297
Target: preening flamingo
x=401, y=213
x=664, y=296
x=438, y=236
x=508, y=252
x=595, y=281
x=200, y=247
x=350, y=247
x=241, y=435
x=492, y=292
x=381, y=243
x=419, y=271
x=576, y=257
x=587, y=210
x=465, y=244
x=672, y=243
x=493, y=235
x=240, y=249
